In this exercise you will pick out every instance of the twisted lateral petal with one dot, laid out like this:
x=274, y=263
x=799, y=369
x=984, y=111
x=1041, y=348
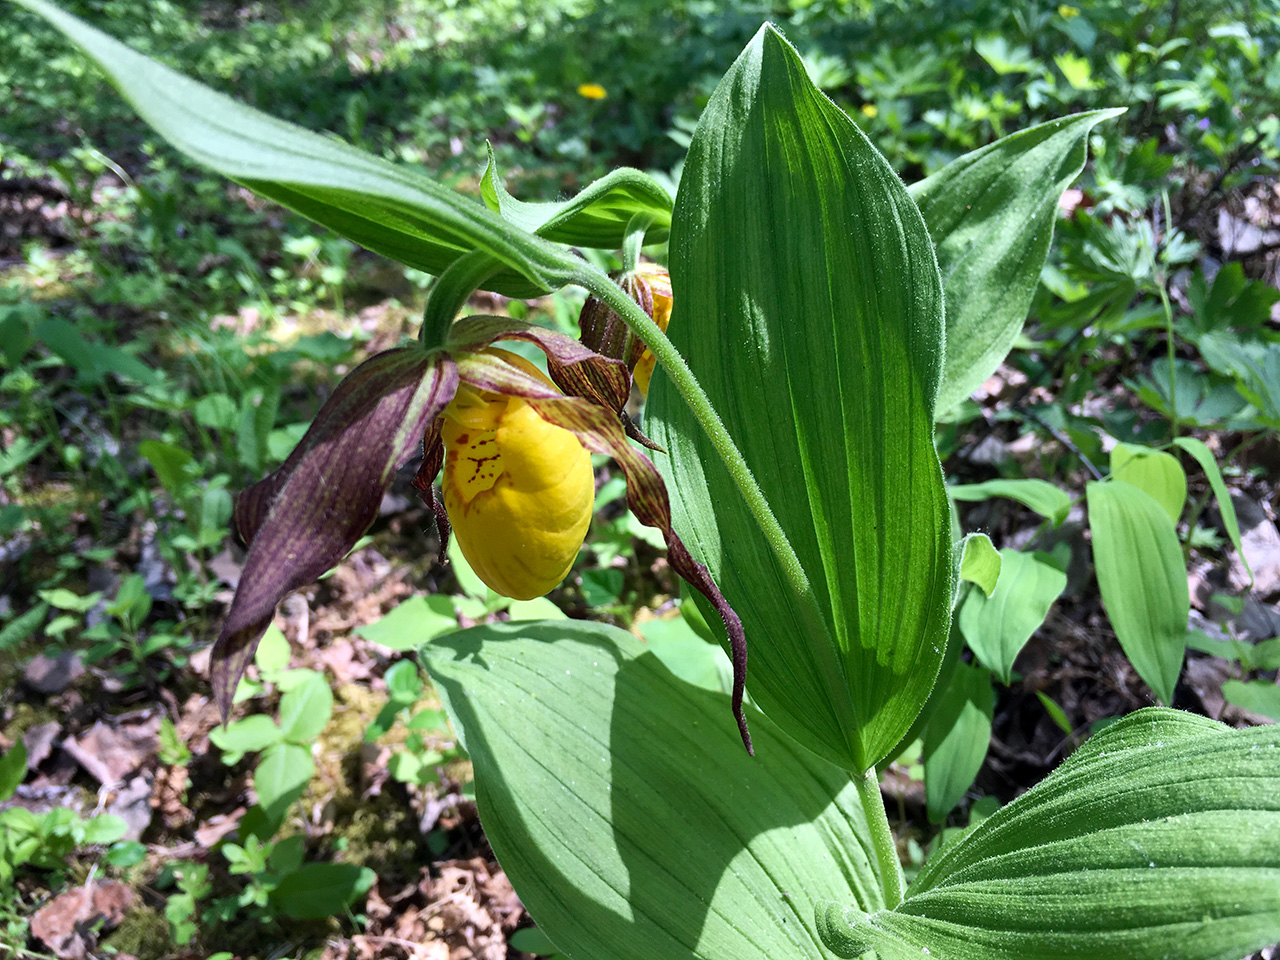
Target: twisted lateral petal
x=432, y=460
x=305, y=517
x=576, y=369
x=600, y=431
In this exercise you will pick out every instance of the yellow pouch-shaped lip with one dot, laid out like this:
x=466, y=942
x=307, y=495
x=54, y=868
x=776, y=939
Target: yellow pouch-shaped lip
x=519, y=490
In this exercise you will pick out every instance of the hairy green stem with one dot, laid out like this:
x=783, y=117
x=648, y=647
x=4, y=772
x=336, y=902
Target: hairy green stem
x=687, y=386
x=888, y=866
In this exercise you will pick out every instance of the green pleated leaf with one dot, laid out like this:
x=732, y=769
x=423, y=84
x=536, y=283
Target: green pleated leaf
x=998, y=627
x=1203, y=456
x=1038, y=495
x=956, y=738
x=808, y=304
x=1143, y=580
x=980, y=562
x=383, y=207
x=1154, y=472
x=597, y=217
x=991, y=214
x=626, y=813
x=1158, y=840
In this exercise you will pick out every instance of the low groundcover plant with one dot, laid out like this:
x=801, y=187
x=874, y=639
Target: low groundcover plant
x=827, y=312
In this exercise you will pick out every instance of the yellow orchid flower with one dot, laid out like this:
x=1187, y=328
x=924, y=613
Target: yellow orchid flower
x=514, y=446
x=518, y=489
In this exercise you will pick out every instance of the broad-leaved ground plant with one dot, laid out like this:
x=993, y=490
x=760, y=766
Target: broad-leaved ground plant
x=821, y=314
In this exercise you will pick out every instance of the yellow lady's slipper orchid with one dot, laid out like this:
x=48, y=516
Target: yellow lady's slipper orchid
x=515, y=450
x=519, y=491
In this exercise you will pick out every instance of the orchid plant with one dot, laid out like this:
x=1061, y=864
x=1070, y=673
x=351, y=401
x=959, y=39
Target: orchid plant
x=821, y=313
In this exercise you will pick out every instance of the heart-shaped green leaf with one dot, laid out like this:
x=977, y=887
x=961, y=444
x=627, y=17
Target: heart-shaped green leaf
x=1157, y=840
x=317, y=890
x=624, y=809
x=808, y=304
x=386, y=208
x=991, y=214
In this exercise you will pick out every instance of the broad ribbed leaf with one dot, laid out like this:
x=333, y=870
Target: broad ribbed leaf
x=956, y=738
x=386, y=208
x=1039, y=495
x=991, y=214
x=808, y=304
x=1154, y=472
x=597, y=217
x=997, y=627
x=624, y=810
x=1158, y=840
x=1143, y=580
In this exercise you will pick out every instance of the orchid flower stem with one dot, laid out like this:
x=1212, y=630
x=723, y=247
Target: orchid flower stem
x=888, y=866
x=634, y=240
x=687, y=385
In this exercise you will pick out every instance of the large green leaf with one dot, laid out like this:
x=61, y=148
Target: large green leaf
x=1157, y=840
x=997, y=627
x=623, y=808
x=808, y=304
x=991, y=214
x=386, y=208
x=1143, y=580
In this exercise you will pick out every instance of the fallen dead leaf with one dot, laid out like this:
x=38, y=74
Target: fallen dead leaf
x=110, y=752
x=69, y=923
x=217, y=827
x=132, y=804
x=50, y=675
x=39, y=742
x=1261, y=543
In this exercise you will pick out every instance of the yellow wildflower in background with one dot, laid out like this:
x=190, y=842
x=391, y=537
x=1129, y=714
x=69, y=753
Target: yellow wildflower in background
x=592, y=91
x=1066, y=12
x=870, y=111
